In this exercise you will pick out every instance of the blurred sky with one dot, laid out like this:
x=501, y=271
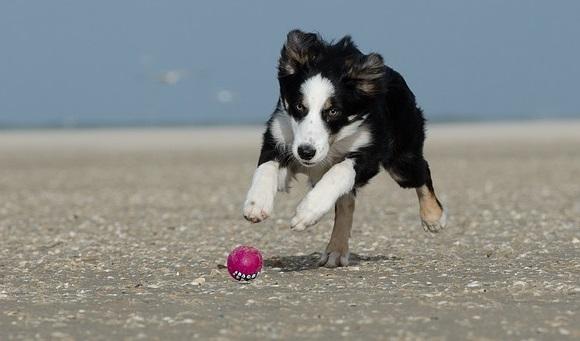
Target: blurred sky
x=162, y=62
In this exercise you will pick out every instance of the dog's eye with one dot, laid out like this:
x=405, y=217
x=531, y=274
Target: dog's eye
x=333, y=112
x=300, y=107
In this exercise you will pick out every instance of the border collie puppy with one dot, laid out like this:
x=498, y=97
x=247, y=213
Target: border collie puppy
x=341, y=115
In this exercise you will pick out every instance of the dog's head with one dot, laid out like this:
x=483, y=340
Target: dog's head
x=327, y=89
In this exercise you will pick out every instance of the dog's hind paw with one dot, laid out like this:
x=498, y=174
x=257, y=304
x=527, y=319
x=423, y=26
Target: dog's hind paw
x=435, y=226
x=333, y=259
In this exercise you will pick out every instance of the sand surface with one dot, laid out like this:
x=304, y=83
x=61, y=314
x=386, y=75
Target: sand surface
x=106, y=234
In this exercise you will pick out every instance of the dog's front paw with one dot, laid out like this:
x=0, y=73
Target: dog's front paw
x=307, y=214
x=258, y=206
x=333, y=259
x=434, y=224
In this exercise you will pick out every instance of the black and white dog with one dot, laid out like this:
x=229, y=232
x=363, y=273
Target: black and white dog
x=340, y=116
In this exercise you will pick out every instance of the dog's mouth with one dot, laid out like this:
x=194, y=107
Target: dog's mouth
x=307, y=163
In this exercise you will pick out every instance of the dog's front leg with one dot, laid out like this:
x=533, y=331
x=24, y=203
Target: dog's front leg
x=337, y=181
x=260, y=199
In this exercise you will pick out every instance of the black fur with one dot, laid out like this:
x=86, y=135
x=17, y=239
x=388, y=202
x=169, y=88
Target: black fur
x=365, y=88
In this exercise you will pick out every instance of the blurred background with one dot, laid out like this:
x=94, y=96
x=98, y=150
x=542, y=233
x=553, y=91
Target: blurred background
x=162, y=63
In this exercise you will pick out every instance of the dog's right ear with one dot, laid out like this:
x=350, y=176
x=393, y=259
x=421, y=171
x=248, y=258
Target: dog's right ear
x=366, y=73
x=299, y=51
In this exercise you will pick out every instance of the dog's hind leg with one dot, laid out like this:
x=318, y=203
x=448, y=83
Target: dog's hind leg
x=433, y=215
x=413, y=172
x=336, y=253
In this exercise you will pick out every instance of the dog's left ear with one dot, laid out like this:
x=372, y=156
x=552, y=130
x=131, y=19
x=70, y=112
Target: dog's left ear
x=366, y=73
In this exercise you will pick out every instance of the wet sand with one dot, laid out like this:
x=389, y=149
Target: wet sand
x=105, y=234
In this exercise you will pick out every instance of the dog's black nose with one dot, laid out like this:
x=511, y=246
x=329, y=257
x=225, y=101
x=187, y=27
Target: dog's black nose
x=306, y=151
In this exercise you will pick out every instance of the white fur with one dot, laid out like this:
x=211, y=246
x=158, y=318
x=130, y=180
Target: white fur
x=348, y=130
x=316, y=90
x=311, y=129
x=349, y=139
x=337, y=181
x=281, y=128
x=260, y=199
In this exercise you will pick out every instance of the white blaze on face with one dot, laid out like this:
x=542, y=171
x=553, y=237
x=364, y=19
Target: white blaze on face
x=311, y=129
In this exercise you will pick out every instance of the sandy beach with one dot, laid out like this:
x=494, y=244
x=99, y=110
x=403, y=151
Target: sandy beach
x=123, y=233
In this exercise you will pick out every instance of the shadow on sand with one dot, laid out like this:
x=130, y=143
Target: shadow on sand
x=309, y=262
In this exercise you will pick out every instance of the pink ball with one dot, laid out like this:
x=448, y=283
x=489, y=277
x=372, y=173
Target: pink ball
x=244, y=263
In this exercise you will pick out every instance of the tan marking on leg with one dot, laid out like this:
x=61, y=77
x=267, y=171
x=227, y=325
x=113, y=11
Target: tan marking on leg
x=336, y=253
x=432, y=214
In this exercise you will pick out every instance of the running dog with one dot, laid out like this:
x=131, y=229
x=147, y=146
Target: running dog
x=341, y=115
